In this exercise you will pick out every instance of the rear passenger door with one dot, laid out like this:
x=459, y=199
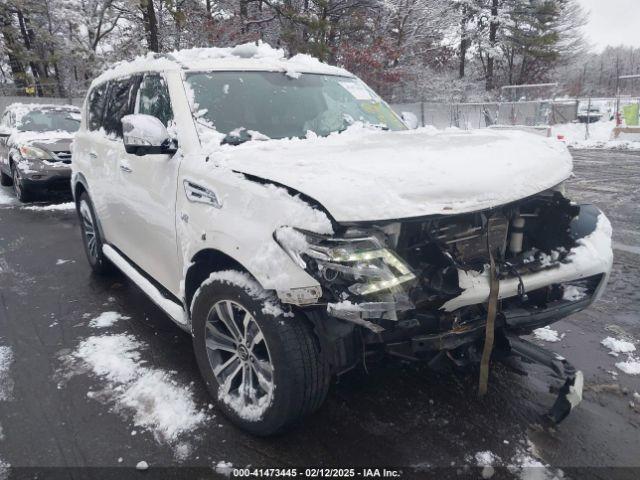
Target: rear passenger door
x=147, y=192
x=89, y=150
x=120, y=102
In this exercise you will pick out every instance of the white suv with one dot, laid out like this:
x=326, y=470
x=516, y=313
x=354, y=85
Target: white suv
x=279, y=211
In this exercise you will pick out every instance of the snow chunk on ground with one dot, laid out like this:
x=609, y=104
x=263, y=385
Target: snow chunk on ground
x=59, y=207
x=618, y=346
x=6, y=384
x=631, y=366
x=142, y=465
x=224, y=468
x=547, y=334
x=487, y=460
x=158, y=403
x=106, y=319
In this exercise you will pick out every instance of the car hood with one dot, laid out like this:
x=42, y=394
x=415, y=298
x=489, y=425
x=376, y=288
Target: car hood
x=56, y=141
x=371, y=175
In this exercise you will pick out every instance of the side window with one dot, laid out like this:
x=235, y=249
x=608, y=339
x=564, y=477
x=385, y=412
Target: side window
x=6, y=119
x=96, y=106
x=153, y=98
x=118, y=105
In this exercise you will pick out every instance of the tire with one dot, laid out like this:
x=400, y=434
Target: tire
x=294, y=374
x=22, y=193
x=91, y=237
x=5, y=180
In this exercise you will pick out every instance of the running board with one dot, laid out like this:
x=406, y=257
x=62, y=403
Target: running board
x=171, y=308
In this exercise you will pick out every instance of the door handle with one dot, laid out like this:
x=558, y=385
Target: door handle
x=125, y=169
x=93, y=155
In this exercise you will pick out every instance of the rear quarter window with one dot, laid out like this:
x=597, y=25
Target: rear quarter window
x=95, y=107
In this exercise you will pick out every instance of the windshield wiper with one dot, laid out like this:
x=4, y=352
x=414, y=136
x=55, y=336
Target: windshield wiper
x=236, y=137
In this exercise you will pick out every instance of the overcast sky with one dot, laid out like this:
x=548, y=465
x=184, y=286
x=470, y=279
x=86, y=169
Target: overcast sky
x=613, y=22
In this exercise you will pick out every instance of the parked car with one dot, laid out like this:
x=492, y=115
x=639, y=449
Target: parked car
x=35, y=153
x=594, y=112
x=281, y=213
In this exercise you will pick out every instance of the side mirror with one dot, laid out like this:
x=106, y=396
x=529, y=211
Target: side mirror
x=5, y=131
x=144, y=134
x=410, y=119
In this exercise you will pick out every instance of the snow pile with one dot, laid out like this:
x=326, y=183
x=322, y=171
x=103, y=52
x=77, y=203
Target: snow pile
x=547, y=334
x=57, y=207
x=599, y=136
x=618, y=346
x=158, y=403
x=106, y=319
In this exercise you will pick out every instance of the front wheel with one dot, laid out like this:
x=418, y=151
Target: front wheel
x=22, y=192
x=91, y=238
x=265, y=371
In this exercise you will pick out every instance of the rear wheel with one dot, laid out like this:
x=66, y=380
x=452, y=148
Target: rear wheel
x=91, y=237
x=266, y=372
x=5, y=180
x=22, y=193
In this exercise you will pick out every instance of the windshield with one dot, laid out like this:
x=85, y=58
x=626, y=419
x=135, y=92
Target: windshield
x=49, y=120
x=283, y=106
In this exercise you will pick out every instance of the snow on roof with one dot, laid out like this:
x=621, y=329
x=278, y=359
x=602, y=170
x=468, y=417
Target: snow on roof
x=258, y=56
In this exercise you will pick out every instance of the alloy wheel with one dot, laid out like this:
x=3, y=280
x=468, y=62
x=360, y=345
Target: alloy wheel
x=17, y=185
x=239, y=357
x=89, y=231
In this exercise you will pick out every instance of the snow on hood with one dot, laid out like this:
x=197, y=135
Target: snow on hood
x=42, y=138
x=368, y=175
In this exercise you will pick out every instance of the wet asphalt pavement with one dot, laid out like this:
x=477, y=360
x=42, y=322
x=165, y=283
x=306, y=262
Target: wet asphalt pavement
x=398, y=415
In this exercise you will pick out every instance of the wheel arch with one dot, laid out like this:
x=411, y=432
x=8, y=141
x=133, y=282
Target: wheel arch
x=203, y=264
x=80, y=185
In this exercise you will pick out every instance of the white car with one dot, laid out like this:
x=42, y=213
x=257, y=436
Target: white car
x=279, y=211
x=35, y=147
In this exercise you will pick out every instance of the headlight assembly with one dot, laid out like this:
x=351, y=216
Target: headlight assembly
x=362, y=265
x=34, y=153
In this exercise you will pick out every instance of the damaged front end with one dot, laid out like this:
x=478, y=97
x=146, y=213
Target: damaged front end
x=419, y=289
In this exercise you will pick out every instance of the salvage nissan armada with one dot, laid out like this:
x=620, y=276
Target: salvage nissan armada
x=281, y=213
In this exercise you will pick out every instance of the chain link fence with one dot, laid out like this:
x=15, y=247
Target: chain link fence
x=486, y=114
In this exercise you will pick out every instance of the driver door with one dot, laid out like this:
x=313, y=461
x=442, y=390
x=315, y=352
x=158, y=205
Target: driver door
x=149, y=187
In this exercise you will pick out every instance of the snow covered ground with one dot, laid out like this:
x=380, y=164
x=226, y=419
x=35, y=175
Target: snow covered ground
x=6, y=387
x=599, y=136
x=151, y=398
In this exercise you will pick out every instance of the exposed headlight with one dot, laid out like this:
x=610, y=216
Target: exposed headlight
x=362, y=264
x=34, y=153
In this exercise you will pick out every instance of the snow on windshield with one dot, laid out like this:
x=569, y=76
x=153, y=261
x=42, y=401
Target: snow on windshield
x=45, y=118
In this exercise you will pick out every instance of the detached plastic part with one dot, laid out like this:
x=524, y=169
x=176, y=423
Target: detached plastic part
x=570, y=394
